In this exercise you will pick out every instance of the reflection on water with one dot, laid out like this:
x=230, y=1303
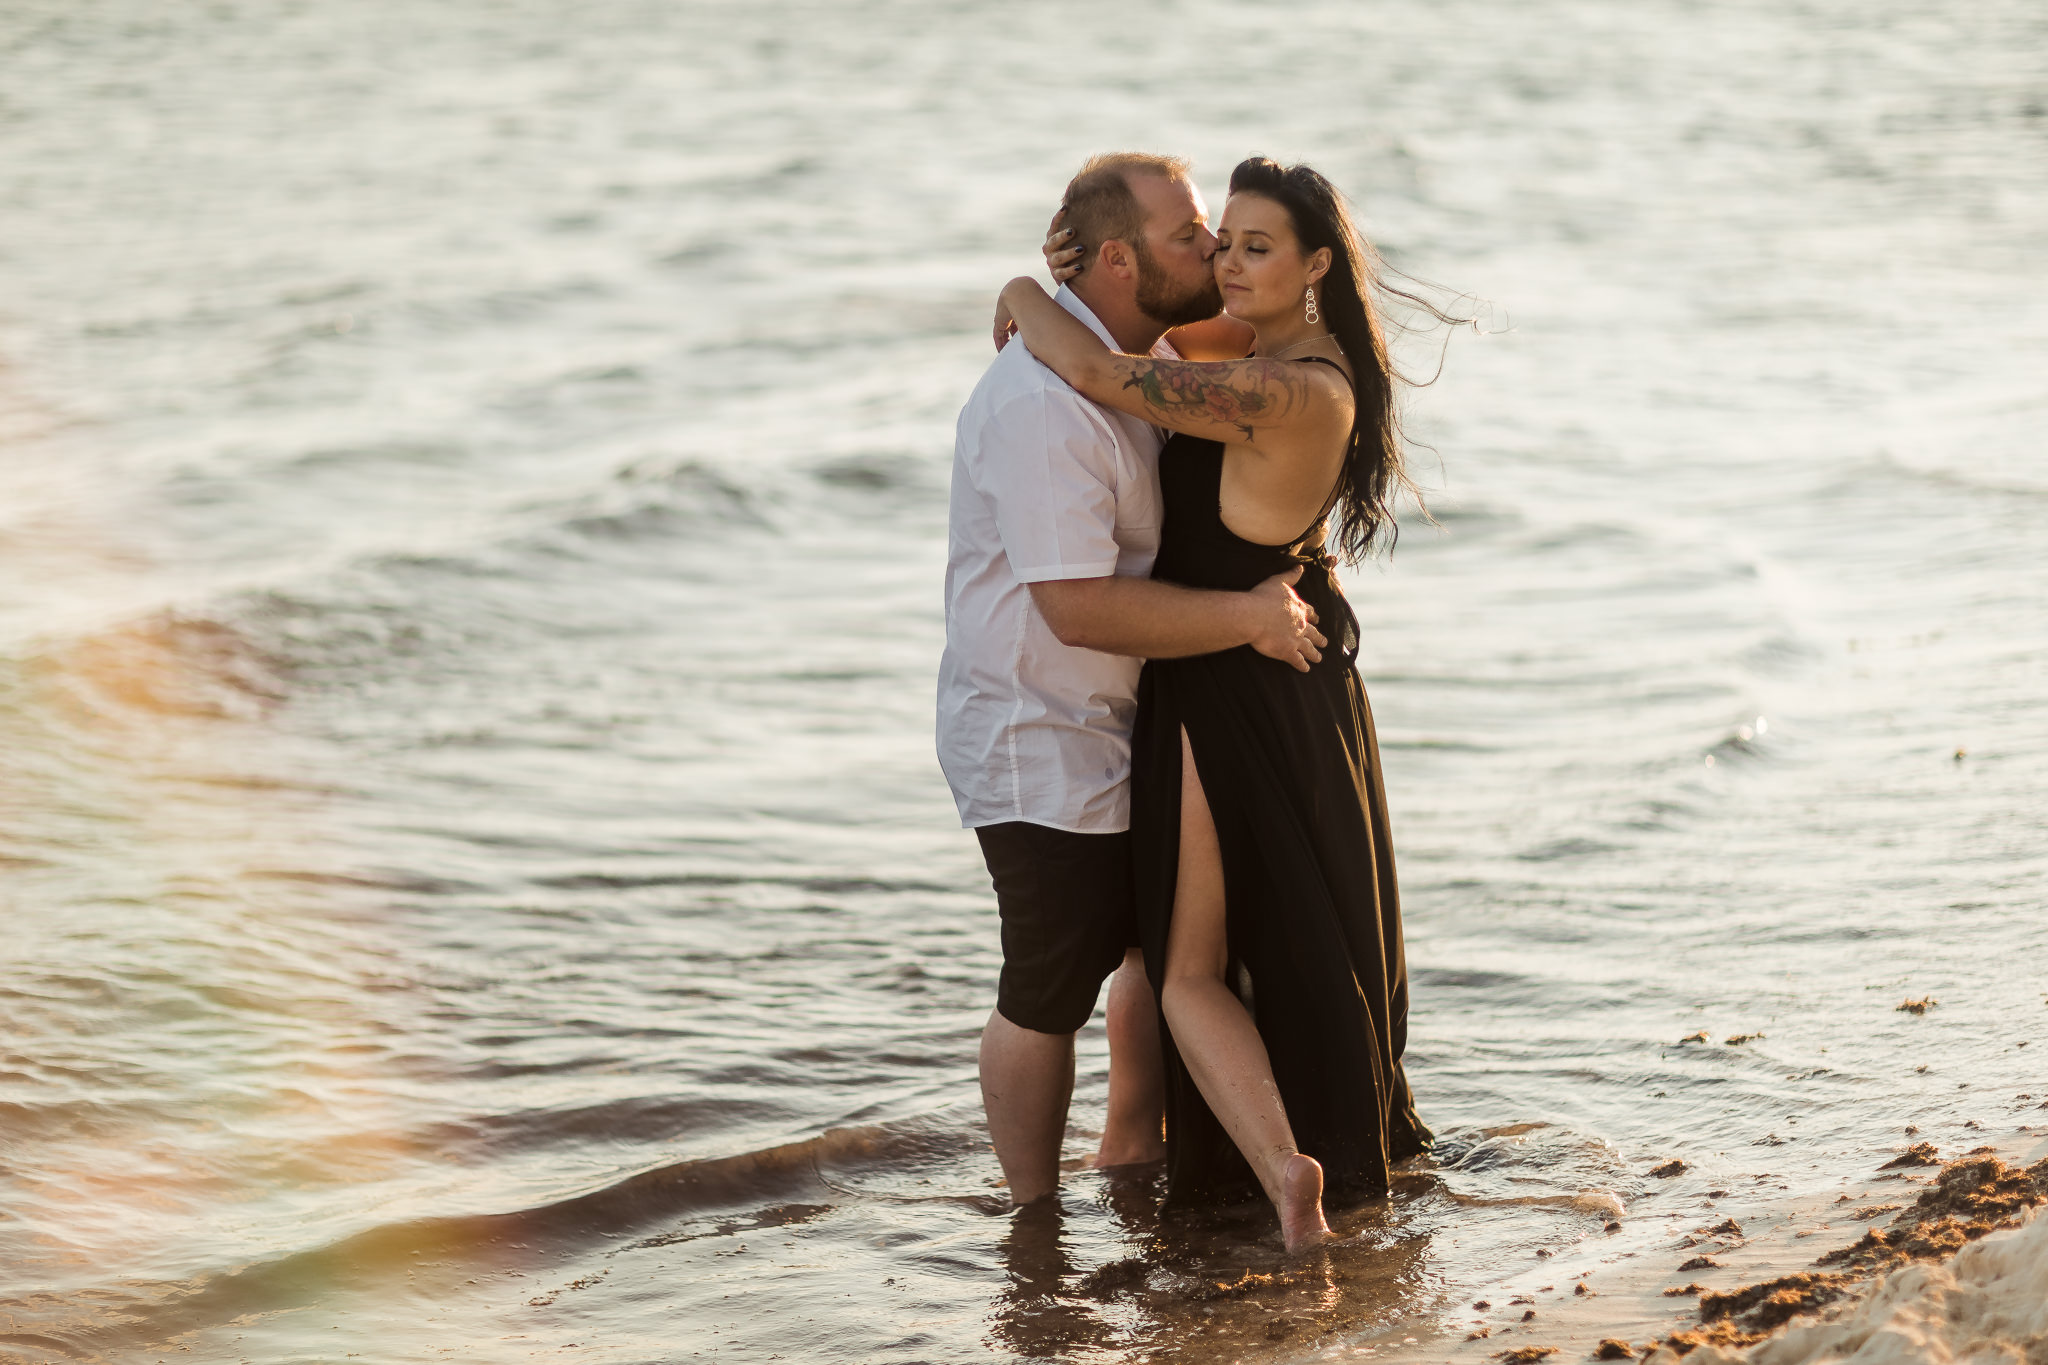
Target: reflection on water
x=472, y=488
x=1211, y=1286
x=1032, y=1317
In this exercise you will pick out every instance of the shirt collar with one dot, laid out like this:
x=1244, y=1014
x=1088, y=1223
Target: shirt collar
x=1069, y=300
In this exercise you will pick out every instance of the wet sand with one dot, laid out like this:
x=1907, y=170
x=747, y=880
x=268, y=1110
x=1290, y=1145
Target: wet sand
x=1735, y=1271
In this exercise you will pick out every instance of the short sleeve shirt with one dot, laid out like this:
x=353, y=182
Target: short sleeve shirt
x=1046, y=485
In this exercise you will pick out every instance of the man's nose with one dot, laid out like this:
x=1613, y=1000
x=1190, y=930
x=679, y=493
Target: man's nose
x=1208, y=243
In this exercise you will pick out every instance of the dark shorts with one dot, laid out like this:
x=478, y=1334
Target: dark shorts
x=1068, y=916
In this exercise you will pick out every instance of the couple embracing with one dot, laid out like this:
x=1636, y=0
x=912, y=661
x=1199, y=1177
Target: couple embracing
x=1149, y=711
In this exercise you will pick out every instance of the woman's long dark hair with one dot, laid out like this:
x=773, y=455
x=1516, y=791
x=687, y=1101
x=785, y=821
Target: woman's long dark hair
x=1375, y=465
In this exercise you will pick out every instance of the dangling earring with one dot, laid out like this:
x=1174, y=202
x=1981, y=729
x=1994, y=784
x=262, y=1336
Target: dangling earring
x=1313, y=315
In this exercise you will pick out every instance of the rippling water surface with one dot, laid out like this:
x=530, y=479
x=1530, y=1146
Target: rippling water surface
x=472, y=492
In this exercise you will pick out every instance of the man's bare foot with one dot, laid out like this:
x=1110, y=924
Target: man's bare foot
x=1301, y=1203
x=1138, y=1153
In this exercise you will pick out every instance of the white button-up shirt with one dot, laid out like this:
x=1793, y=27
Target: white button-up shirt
x=1046, y=485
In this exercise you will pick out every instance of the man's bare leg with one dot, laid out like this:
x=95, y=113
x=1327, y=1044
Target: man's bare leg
x=1137, y=1082
x=1027, y=1078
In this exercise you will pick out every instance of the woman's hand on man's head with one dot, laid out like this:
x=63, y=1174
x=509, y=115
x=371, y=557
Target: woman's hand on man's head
x=1062, y=252
x=1062, y=262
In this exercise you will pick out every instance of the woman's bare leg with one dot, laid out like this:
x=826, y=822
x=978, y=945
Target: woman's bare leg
x=1217, y=1039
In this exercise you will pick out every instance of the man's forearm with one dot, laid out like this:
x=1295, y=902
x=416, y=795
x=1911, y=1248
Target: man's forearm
x=1144, y=618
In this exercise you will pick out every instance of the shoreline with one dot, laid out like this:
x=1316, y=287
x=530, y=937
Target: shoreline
x=1722, y=1278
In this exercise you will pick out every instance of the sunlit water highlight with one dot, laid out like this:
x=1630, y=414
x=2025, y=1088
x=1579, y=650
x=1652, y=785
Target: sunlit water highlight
x=474, y=876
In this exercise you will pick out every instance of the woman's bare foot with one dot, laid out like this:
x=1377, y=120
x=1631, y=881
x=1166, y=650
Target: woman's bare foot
x=1301, y=1203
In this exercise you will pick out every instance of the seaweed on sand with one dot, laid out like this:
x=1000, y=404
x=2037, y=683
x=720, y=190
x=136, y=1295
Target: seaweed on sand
x=1976, y=1195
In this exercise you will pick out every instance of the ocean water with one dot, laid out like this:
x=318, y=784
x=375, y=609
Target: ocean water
x=474, y=881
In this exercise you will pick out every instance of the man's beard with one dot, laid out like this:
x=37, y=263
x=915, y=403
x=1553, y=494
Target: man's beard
x=1161, y=300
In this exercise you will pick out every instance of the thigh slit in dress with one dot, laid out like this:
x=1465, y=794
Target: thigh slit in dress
x=1291, y=769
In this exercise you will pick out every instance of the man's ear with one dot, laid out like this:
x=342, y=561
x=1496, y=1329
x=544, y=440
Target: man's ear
x=1118, y=259
x=1318, y=264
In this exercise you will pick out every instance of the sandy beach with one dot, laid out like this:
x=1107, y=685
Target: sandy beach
x=1749, y=1276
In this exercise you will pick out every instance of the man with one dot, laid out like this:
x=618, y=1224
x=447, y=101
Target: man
x=1049, y=609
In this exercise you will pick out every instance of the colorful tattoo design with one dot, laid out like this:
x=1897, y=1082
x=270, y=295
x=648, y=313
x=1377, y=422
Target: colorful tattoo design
x=1243, y=394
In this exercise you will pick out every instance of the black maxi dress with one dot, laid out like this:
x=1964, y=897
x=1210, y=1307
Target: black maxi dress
x=1291, y=769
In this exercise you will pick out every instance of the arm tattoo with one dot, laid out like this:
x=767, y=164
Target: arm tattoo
x=1242, y=394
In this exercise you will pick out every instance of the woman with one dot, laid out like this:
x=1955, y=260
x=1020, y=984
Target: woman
x=1267, y=902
